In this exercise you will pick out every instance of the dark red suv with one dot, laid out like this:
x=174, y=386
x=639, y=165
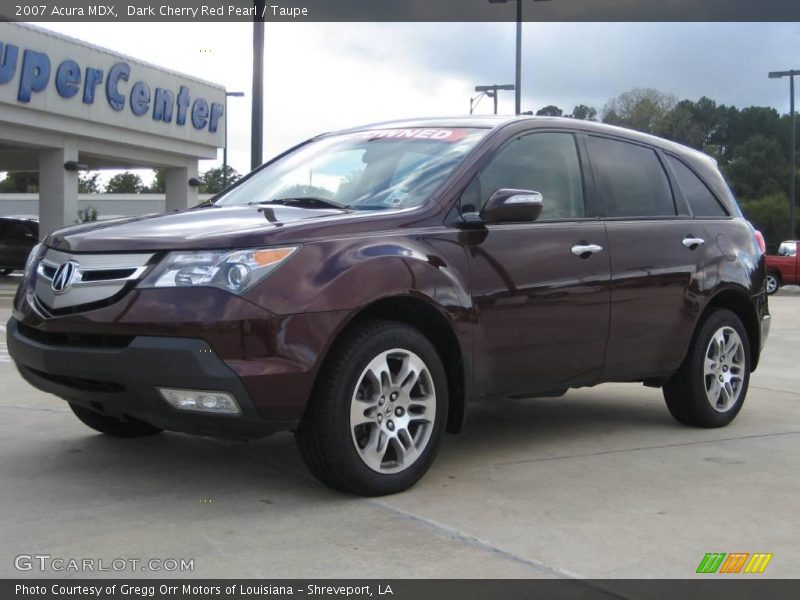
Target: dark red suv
x=361, y=288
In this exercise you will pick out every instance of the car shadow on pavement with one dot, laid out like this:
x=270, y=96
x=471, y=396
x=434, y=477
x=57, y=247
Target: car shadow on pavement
x=497, y=431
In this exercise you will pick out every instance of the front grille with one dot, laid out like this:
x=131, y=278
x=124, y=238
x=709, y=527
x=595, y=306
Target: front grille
x=107, y=274
x=79, y=383
x=75, y=340
x=87, y=281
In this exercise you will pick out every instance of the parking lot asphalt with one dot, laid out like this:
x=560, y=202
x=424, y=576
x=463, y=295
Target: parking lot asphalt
x=600, y=483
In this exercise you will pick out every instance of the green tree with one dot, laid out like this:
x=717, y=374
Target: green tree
x=758, y=168
x=585, y=113
x=215, y=181
x=756, y=120
x=549, y=111
x=159, y=185
x=642, y=109
x=125, y=183
x=87, y=215
x=20, y=182
x=770, y=215
x=88, y=184
x=682, y=125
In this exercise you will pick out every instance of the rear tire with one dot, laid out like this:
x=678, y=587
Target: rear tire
x=773, y=282
x=710, y=387
x=377, y=414
x=113, y=426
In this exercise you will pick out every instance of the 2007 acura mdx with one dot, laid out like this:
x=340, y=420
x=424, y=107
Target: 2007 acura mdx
x=362, y=287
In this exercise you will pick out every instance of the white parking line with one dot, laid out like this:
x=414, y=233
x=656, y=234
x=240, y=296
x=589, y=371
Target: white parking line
x=4, y=357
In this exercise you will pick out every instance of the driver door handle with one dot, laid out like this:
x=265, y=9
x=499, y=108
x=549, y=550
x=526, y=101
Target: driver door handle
x=585, y=250
x=692, y=242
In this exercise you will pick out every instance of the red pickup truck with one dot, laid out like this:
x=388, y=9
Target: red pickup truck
x=782, y=269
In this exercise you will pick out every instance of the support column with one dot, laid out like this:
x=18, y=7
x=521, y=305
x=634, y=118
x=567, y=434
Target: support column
x=180, y=195
x=58, y=189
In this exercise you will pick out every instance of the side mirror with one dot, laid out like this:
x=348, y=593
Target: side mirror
x=508, y=206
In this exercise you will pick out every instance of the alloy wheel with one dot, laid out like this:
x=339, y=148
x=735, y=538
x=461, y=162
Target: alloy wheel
x=392, y=411
x=772, y=284
x=724, y=369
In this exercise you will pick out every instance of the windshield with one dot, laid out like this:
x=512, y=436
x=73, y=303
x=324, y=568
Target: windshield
x=366, y=170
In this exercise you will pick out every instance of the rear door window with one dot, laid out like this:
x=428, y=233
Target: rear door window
x=631, y=178
x=702, y=202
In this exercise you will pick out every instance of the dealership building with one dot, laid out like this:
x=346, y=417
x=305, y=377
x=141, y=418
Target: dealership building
x=68, y=106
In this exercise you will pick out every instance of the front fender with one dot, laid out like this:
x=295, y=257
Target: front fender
x=351, y=273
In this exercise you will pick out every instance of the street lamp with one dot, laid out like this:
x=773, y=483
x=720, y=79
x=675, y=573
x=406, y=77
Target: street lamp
x=225, y=141
x=792, y=181
x=487, y=90
x=518, y=76
x=257, y=116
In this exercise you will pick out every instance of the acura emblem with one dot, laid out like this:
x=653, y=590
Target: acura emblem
x=64, y=276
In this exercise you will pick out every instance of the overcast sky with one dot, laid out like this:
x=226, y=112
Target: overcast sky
x=323, y=76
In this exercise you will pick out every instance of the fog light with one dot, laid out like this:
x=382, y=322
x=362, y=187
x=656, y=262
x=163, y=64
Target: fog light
x=201, y=401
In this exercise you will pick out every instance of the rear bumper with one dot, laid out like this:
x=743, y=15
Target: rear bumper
x=120, y=381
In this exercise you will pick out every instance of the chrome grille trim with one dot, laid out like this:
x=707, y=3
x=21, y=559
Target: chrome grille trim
x=120, y=268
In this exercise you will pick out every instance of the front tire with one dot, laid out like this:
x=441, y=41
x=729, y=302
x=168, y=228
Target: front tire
x=377, y=414
x=112, y=426
x=773, y=282
x=710, y=387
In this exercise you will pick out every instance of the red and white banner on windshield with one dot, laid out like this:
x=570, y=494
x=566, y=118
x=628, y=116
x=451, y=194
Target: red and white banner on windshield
x=436, y=134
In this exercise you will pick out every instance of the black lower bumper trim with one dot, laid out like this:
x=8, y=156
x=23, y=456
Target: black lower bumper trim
x=123, y=381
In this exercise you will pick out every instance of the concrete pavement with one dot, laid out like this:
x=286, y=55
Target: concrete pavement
x=599, y=483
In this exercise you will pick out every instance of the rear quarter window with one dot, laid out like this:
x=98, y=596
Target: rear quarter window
x=701, y=200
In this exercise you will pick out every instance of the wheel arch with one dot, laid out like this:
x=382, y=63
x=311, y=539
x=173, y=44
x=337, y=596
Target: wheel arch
x=437, y=325
x=738, y=302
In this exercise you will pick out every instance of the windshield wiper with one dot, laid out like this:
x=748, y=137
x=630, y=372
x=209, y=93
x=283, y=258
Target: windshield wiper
x=303, y=201
x=204, y=204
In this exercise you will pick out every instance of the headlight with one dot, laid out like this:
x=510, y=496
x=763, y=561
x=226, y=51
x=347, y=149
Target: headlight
x=232, y=271
x=32, y=257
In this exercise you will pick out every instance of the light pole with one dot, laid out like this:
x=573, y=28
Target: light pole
x=225, y=140
x=490, y=91
x=518, y=72
x=792, y=181
x=257, y=119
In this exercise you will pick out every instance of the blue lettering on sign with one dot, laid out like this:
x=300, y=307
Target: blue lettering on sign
x=34, y=77
x=140, y=98
x=94, y=77
x=162, y=105
x=199, y=113
x=183, y=104
x=68, y=75
x=115, y=73
x=35, y=74
x=8, y=61
x=217, y=111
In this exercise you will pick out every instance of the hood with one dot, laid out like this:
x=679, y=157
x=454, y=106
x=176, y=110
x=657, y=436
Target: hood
x=200, y=228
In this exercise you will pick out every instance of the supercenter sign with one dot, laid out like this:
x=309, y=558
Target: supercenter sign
x=48, y=72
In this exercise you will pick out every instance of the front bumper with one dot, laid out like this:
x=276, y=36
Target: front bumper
x=122, y=381
x=113, y=358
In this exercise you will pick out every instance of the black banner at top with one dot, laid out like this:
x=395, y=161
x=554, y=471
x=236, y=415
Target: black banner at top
x=399, y=10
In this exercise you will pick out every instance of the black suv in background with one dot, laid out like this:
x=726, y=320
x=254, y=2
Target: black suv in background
x=18, y=236
x=362, y=287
